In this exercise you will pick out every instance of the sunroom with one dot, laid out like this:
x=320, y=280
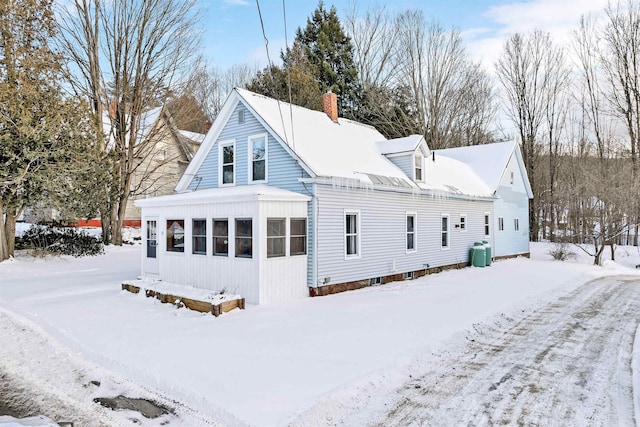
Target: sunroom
x=245, y=240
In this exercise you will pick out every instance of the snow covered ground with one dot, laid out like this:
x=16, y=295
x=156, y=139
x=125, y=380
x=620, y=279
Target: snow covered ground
x=307, y=362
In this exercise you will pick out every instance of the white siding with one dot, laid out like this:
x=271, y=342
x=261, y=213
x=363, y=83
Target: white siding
x=383, y=238
x=257, y=279
x=281, y=278
x=512, y=203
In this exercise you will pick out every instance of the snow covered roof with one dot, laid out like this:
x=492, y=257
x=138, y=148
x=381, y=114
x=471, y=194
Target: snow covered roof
x=345, y=149
x=193, y=136
x=488, y=160
x=400, y=145
x=453, y=176
x=224, y=194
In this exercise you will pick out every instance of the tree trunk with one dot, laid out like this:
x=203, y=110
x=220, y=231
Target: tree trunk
x=4, y=250
x=613, y=251
x=597, y=260
x=10, y=231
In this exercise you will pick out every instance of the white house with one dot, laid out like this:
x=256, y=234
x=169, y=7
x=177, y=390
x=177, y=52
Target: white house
x=281, y=202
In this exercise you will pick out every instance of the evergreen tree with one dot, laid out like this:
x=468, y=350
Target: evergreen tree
x=330, y=51
x=295, y=78
x=40, y=130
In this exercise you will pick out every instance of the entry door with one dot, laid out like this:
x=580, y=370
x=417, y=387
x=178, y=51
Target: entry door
x=151, y=247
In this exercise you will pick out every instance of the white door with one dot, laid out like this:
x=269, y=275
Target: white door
x=150, y=255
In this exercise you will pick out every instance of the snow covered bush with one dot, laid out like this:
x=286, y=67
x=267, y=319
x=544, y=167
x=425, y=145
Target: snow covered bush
x=62, y=241
x=561, y=252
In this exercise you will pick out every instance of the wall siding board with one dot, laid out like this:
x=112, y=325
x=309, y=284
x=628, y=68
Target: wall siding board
x=405, y=163
x=278, y=281
x=383, y=232
x=282, y=169
x=512, y=203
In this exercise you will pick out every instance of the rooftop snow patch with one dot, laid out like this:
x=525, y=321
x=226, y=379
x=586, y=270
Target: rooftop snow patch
x=487, y=160
x=193, y=136
x=452, y=176
x=400, y=145
x=224, y=194
x=346, y=149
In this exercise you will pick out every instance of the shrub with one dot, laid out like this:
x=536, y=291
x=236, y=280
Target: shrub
x=561, y=252
x=62, y=241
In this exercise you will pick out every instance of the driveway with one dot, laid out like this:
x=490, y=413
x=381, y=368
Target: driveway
x=567, y=363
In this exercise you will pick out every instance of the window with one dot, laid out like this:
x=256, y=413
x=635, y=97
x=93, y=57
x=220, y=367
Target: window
x=221, y=237
x=516, y=224
x=152, y=236
x=244, y=234
x=411, y=232
x=418, y=167
x=298, y=236
x=175, y=235
x=511, y=178
x=351, y=234
x=463, y=223
x=445, y=231
x=258, y=156
x=487, y=229
x=375, y=281
x=240, y=116
x=276, y=237
x=408, y=275
x=199, y=236
x=227, y=172
x=500, y=224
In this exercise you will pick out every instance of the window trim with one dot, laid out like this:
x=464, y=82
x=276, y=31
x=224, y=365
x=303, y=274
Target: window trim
x=283, y=237
x=221, y=146
x=448, y=232
x=487, y=224
x=415, y=175
x=463, y=229
x=193, y=236
x=166, y=228
x=213, y=237
x=358, y=233
x=250, y=141
x=415, y=232
x=500, y=223
x=291, y=235
x=236, y=237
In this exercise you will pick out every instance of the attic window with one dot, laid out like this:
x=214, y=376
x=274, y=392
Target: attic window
x=511, y=178
x=240, y=116
x=418, y=167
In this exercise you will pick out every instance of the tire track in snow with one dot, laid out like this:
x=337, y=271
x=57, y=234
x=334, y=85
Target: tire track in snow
x=566, y=363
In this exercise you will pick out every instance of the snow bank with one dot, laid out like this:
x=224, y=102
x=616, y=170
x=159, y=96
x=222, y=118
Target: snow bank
x=305, y=361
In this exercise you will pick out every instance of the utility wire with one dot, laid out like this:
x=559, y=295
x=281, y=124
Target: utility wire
x=266, y=46
x=286, y=42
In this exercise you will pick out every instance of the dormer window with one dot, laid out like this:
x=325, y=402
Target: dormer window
x=418, y=167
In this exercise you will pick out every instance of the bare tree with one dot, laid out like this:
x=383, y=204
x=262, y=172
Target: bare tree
x=128, y=55
x=374, y=37
x=530, y=68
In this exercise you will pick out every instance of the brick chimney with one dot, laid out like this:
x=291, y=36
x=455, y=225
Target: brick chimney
x=330, y=105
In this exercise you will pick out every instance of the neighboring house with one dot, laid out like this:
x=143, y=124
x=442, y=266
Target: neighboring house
x=501, y=167
x=161, y=164
x=281, y=202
